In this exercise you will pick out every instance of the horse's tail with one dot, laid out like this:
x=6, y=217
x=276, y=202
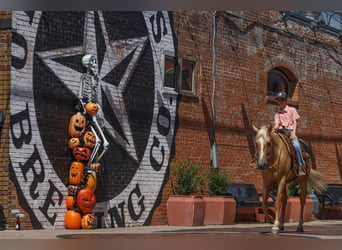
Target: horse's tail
x=316, y=181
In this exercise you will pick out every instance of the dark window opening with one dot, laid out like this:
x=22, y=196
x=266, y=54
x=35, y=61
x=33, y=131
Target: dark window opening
x=277, y=81
x=188, y=68
x=170, y=72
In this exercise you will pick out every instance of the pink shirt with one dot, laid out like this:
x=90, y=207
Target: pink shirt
x=286, y=117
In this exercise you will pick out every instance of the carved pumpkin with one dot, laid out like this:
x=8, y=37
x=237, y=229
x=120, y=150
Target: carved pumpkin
x=73, y=189
x=74, y=142
x=70, y=202
x=77, y=125
x=87, y=221
x=92, y=108
x=89, y=139
x=76, y=172
x=95, y=167
x=91, y=182
x=72, y=220
x=86, y=200
x=81, y=153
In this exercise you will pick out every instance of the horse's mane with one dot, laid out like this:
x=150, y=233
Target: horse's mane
x=263, y=131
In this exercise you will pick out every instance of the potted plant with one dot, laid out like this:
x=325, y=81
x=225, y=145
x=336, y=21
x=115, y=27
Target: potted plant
x=186, y=206
x=219, y=209
x=293, y=204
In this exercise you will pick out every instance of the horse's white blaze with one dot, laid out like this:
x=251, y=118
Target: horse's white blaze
x=261, y=143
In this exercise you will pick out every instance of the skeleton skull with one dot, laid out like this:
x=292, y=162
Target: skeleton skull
x=90, y=62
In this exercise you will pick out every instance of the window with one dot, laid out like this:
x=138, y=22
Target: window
x=187, y=79
x=170, y=72
x=332, y=19
x=180, y=75
x=281, y=79
x=187, y=75
x=329, y=20
x=277, y=81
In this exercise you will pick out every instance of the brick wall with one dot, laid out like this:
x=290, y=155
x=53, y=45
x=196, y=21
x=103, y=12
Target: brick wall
x=7, y=195
x=248, y=45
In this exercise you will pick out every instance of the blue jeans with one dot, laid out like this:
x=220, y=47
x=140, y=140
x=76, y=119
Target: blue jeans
x=296, y=145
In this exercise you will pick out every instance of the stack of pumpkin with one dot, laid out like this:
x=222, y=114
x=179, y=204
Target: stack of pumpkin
x=81, y=200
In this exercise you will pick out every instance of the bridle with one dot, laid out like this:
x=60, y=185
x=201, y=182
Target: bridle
x=265, y=144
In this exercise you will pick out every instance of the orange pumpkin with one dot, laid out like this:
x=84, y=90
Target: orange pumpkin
x=72, y=220
x=76, y=172
x=86, y=200
x=70, y=202
x=74, y=142
x=87, y=221
x=92, y=108
x=89, y=139
x=81, y=153
x=91, y=182
x=77, y=125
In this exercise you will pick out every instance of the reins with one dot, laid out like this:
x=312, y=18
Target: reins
x=276, y=161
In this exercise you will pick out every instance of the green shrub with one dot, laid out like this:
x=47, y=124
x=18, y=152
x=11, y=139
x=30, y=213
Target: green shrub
x=274, y=190
x=186, y=178
x=217, y=182
x=294, y=189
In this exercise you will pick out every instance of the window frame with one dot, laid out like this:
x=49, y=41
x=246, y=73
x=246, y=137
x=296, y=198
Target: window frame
x=194, y=76
x=168, y=89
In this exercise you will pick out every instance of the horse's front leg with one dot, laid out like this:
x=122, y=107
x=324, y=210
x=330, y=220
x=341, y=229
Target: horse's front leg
x=266, y=192
x=278, y=206
x=302, y=197
x=282, y=210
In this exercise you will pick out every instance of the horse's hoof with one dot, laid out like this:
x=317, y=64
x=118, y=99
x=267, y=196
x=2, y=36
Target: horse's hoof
x=281, y=228
x=275, y=231
x=300, y=230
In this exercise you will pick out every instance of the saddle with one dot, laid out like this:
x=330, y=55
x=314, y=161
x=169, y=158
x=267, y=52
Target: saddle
x=285, y=136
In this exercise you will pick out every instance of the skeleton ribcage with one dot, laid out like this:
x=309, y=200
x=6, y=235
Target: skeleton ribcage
x=89, y=91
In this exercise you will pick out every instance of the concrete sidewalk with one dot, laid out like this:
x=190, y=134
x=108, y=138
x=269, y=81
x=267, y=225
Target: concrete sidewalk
x=319, y=229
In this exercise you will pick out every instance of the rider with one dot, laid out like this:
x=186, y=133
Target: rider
x=286, y=119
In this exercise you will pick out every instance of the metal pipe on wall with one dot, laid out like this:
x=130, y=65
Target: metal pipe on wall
x=213, y=146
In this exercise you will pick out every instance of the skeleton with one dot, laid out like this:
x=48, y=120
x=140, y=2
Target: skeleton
x=88, y=93
x=89, y=80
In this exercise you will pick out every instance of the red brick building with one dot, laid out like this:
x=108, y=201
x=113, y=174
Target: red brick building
x=182, y=82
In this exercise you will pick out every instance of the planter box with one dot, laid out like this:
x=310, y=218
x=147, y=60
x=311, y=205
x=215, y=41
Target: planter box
x=219, y=210
x=293, y=209
x=291, y=212
x=184, y=210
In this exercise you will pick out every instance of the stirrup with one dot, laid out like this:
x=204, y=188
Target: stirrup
x=300, y=171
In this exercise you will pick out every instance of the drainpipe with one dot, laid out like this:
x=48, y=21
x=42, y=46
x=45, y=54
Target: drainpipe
x=213, y=149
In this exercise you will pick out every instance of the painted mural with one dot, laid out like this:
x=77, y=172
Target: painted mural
x=137, y=117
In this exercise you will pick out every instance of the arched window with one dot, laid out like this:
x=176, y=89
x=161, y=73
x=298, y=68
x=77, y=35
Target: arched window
x=278, y=81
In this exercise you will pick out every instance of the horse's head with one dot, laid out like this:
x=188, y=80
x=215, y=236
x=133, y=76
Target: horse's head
x=263, y=143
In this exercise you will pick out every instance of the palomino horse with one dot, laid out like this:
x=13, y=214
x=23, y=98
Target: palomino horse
x=274, y=159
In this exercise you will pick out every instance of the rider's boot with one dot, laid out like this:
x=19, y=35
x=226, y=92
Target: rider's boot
x=300, y=171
